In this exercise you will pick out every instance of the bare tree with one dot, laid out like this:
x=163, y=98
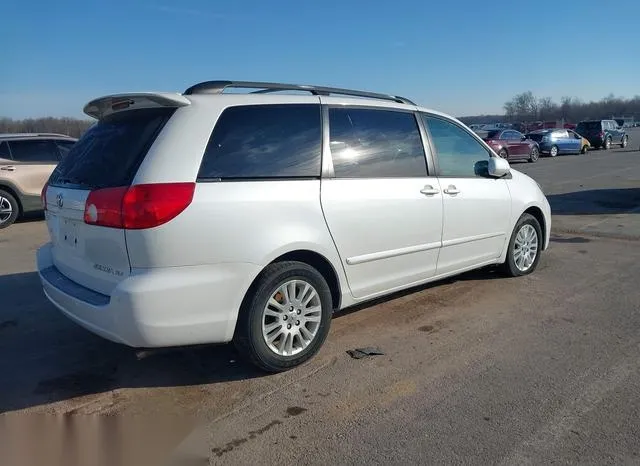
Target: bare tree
x=69, y=126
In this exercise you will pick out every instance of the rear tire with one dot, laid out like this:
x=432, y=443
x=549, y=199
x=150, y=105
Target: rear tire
x=274, y=320
x=9, y=209
x=503, y=153
x=526, y=239
x=625, y=141
x=584, y=150
x=607, y=144
x=553, y=151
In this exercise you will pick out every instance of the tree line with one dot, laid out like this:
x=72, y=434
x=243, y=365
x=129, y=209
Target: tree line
x=528, y=107
x=70, y=126
x=522, y=107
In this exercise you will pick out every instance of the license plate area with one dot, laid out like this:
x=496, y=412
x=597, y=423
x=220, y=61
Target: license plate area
x=67, y=232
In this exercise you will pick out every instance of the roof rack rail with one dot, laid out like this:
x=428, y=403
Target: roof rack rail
x=217, y=87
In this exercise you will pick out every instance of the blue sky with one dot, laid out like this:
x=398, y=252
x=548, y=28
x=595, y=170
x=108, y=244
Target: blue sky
x=461, y=57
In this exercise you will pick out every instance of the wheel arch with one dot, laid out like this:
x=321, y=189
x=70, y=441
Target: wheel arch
x=11, y=189
x=536, y=212
x=312, y=258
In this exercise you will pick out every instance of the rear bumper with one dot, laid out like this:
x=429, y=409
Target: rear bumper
x=156, y=307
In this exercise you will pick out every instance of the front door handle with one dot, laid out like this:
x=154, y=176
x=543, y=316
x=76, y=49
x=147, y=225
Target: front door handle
x=8, y=168
x=429, y=190
x=451, y=189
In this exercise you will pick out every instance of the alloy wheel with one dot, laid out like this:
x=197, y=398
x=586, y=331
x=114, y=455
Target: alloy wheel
x=6, y=209
x=525, y=247
x=291, y=318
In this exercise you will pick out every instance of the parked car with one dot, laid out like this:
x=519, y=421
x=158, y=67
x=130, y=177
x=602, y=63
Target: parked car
x=212, y=216
x=26, y=161
x=558, y=141
x=511, y=144
x=570, y=126
x=519, y=127
x=602, y=133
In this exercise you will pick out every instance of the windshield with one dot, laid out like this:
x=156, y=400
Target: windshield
x=110, y=152
x=587, y=126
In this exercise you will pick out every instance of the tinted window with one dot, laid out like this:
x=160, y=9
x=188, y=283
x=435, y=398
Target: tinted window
x=110, y=152
x=495, y=134
x=4, y=151
x=367, y=143
x=459, y=153
x=265, y=141
x=588, y=126
x=34, y=151
x=64, y=147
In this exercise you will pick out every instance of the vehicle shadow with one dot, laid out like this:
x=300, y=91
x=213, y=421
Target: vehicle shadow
x=31, y=217
x=482, y=274
x=47, y=358
x=596, y=202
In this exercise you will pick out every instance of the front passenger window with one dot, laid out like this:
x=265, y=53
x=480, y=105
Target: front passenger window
x=459, y=154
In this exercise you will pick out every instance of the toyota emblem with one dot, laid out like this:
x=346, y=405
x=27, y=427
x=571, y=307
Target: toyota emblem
x=59, y=200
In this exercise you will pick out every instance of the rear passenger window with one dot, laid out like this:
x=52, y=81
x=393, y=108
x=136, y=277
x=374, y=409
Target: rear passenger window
x=4, y=151
x=265, y=141
x=459, y=154
x=34, y=151
x=367, y=143
x=64, y=147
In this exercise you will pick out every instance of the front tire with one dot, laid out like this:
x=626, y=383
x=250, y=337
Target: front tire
x=607, y=144
x=625, y=141
x=525, y=245
x=285, y=317
x=584, y=150
x=9, y=209
x=553, y=151
x=503, y=153
x=534, y=155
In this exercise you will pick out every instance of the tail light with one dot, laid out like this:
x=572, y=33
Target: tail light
x=137, y=207
x=43, y=196
x=601, y=134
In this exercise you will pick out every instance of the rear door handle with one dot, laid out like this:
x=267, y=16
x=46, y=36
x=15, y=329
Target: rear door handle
x=8, y=168
x=451, y=189
x=429, y=190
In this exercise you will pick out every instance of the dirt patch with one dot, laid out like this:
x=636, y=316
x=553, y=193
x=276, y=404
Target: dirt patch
x=295, y=410
x=572, y=240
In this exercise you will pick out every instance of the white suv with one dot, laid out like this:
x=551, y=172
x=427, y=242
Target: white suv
x=213, y=216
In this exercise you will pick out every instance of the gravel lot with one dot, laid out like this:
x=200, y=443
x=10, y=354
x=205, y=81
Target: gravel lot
x=477, y=369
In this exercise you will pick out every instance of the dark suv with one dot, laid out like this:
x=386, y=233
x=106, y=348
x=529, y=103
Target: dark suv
x=602, y=133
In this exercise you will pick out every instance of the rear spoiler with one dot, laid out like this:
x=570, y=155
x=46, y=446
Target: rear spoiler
x=103, y=106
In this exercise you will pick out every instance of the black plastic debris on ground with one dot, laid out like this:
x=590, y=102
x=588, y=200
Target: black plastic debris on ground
x=360, y=353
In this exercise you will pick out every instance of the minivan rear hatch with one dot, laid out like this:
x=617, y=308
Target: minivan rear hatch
x=108, y=155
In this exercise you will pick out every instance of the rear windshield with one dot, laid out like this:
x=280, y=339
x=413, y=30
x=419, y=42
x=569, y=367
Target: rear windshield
x=535, y=136
x=588, y=126
x=493, y=134
x=110, y=152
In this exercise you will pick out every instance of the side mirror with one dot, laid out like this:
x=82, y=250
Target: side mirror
x=523, y=137
x=498, y=167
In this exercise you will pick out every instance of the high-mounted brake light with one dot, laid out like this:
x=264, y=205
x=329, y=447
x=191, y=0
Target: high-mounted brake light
x=139, y=206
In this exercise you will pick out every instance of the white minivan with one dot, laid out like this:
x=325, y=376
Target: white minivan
x=213, y=216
